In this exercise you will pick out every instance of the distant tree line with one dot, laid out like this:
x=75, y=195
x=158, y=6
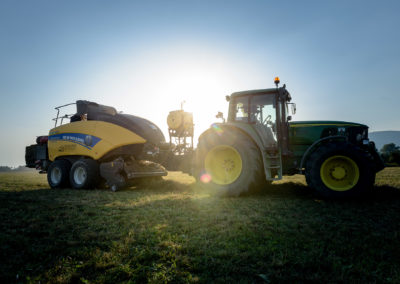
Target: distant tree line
x=5, y=169
x=9, y=169
x=391, y=154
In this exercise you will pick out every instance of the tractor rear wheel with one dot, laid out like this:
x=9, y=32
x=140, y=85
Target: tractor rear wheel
x=58, y=173
x=84, y=174
x=339, y=170
x=228, y=163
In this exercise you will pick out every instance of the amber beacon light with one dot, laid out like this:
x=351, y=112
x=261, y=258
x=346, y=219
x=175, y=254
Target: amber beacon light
x=276, y=81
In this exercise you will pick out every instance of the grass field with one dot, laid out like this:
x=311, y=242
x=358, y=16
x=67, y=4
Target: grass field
x=170, y=231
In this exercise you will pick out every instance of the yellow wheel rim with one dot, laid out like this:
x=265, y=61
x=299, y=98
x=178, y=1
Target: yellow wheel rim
x=339, y=173
x=224, y=164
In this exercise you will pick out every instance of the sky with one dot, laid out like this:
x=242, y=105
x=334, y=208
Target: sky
x=339, y=59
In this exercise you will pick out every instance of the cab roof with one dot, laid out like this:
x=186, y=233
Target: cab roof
x=254, y=92
x=281, y=91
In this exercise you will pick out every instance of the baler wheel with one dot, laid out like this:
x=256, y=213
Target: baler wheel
x=58, y=174
x=84, y=174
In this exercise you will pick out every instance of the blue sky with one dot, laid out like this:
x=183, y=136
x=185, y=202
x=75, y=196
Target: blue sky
x=339, y=59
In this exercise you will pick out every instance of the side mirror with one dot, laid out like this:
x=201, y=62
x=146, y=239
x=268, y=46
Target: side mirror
x=293, y=108
x=228, y=98
x=220, y=115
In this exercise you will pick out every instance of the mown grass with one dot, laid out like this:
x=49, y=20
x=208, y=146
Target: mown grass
x=170, y=231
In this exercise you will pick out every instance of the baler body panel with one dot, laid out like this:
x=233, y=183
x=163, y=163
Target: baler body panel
x=92, y=139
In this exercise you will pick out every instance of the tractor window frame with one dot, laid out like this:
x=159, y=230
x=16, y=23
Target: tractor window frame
x=249, y=115
x=235, y=109
x=253, y=115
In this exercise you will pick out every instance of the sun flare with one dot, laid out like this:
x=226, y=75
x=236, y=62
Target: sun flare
x=196, y=86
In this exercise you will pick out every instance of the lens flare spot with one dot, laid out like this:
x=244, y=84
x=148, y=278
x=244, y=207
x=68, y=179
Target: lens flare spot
x=205, y=178
x=217, y=129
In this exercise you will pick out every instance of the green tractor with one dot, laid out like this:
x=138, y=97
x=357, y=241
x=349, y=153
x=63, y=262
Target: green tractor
x=259, y=144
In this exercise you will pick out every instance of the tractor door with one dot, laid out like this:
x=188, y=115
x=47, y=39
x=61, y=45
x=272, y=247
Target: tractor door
x=263, y=117
x=283, y=98
x=266, y=119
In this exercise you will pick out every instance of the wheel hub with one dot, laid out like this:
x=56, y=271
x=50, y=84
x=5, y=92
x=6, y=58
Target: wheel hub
x=80, y=175
x=228, y=165
x=223, y=164
x=56, y=175
x=339, y=173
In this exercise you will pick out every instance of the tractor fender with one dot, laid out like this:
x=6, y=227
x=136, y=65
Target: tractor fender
x=315, y=145
x=220, y=127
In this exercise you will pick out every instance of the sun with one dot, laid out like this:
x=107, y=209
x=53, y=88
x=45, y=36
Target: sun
x=201, y=91
x=155, y=83
x=197, y=86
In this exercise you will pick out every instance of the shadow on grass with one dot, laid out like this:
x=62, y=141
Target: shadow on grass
x=159, y=186
x=72, y=235
x=280, y=190
x=292, y=190
x=286, y=190
x=384, y=192
x=94, y=234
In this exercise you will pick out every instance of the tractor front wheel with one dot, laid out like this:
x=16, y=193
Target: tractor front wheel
x=228, y=163
x=339, y=170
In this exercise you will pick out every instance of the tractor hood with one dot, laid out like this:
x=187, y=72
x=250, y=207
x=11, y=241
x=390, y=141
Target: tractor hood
x=307, y=132
x=324, y=123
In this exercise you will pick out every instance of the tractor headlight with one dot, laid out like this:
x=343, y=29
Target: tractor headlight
x=359, y=137
x=365, y=141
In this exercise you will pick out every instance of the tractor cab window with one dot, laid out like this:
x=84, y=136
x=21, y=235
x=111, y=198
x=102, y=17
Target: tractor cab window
x=241, y=109
x=263, y=110
x=258, y=109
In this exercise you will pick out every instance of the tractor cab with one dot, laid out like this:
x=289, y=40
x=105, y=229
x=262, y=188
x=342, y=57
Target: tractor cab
x=266, y=111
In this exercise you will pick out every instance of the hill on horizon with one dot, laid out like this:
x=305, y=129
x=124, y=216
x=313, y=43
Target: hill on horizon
x=384, y=137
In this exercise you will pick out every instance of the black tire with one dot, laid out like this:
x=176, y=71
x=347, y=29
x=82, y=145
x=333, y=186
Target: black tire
x=249, y=178
x=340, y=170
x=58, y=174
x=84, y=174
